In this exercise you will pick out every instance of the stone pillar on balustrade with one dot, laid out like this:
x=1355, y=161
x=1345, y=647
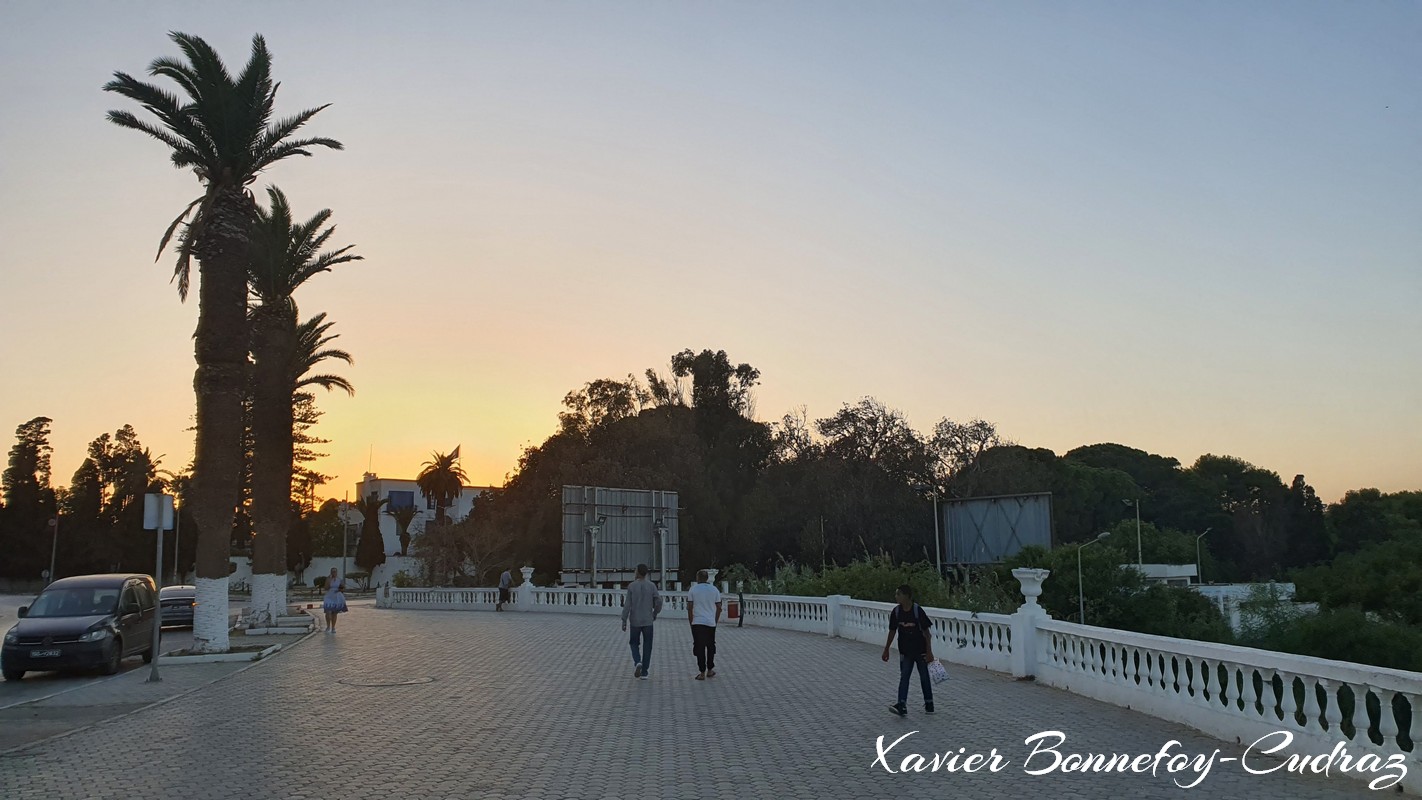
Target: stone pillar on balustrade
x=1024, y=622
x=834, y=614
x=523, y=601
x=711, y=576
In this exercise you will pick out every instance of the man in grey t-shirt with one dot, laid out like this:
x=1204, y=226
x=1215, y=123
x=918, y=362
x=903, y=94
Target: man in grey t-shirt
x=640, y=608
x=505, y=581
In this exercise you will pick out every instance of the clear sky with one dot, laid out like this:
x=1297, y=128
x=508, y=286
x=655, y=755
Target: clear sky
x=1186, y=227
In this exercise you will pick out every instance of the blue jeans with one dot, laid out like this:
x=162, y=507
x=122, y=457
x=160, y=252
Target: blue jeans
x=642, y=655
x=906, y=665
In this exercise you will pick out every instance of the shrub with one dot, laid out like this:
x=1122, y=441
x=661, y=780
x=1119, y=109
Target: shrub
x=403, y=580
x=878, y=578
x=319, y=582
x=1346, y=634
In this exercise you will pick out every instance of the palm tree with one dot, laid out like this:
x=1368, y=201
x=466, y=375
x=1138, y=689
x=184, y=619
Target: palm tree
x=442, y=479
x=403, y=515
x=223, y=130
x=285, y=254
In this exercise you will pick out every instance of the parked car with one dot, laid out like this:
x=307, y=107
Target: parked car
x=80, y=623
x=176, y=604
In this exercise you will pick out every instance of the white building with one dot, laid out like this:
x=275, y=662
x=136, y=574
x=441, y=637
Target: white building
x=405, y=493
x=1168, y=574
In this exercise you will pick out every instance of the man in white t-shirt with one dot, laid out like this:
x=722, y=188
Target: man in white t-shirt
x=703, y=610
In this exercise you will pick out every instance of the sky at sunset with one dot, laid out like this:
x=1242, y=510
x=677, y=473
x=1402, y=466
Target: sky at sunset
x=1185, y=227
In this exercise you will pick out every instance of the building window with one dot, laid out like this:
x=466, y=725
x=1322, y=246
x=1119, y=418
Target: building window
x=399, y=500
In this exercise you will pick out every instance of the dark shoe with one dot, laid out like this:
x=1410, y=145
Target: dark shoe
x=900, y=709
x=928, y=708
x=637, y=673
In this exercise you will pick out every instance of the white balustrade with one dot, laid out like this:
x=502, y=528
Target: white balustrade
x=1235, y=693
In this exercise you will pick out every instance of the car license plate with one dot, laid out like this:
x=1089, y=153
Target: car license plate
x=44, y=654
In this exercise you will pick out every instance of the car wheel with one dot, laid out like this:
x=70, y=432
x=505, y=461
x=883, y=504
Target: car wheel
x=111, y=663
x=14, y=674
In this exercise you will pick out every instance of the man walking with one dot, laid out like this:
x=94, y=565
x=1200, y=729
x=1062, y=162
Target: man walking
x=912, y=625
x=505, y=581
x=641, y=607
x=703, y=609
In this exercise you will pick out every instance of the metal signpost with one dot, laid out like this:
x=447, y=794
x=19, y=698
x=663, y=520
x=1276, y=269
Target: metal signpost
x=157, y=517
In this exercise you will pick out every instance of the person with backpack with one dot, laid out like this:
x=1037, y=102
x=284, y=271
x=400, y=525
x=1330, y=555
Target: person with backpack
x=911, y=624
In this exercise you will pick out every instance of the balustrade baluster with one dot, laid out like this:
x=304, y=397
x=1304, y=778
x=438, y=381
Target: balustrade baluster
x=1311, y=710
x=1229, y=688
x=1287, y=704
x=1251, y=695
x=1387, y=721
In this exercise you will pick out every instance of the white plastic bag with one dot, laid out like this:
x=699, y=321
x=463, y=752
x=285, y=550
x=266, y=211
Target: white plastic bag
x=937, y=671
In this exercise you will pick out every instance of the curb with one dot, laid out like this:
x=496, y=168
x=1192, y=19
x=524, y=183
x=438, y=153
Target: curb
x=219, y=658
x=9, y=752
x=278, y=631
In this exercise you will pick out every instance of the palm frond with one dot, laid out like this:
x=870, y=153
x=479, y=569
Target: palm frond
x=328, y=382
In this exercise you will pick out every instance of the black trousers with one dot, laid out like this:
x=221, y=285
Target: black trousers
x=703, y=646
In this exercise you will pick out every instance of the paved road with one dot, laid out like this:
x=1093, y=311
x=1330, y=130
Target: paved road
x=38, y=684
x=543, y=707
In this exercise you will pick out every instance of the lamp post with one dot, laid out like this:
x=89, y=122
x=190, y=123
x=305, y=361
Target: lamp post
x=1140, y=560
x=177, y=535
x=345, y=532
x=937, y=538
x=1080, y=585
x=1199, y=570
x=54, y=547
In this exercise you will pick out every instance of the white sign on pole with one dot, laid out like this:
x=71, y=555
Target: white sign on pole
x=153, y=506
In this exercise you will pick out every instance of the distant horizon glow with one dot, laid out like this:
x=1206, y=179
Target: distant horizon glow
x=1186, y=229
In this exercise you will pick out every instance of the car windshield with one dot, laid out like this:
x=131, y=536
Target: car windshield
x=75, y=602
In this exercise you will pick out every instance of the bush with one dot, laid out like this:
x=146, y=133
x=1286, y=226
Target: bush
x=360, y=578
x=1120, y=597
x=1342, y=635
x=878, y=578
x=319, y=582
x=403, y=580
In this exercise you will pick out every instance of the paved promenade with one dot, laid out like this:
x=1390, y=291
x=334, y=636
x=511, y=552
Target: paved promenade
x=544, y=707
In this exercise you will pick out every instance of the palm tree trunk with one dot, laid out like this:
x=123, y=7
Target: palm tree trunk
x=220, y=349
x=273, y=341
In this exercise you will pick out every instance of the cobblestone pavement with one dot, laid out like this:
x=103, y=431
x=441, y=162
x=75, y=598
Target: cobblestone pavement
x=38, y=707
x=544, y=706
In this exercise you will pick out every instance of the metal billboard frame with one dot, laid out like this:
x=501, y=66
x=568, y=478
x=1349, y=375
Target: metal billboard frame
x=608, y=531
x=955, y=553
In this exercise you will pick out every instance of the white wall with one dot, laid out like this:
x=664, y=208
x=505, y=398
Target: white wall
x=321, y=565
x=382, y=487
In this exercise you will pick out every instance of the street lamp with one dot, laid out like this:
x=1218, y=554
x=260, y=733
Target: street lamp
x=345, y=532
x=1080, y=587
x=1140, y=561
x=53, y=548
x=1199, y=570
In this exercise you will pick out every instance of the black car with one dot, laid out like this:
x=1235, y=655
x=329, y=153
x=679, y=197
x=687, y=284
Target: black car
x=176, y=604
x=82, y=622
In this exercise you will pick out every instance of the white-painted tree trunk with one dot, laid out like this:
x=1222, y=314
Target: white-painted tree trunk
x=210, y=616
x=268, y=599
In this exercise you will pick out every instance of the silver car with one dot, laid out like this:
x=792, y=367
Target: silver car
x=177, y=604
